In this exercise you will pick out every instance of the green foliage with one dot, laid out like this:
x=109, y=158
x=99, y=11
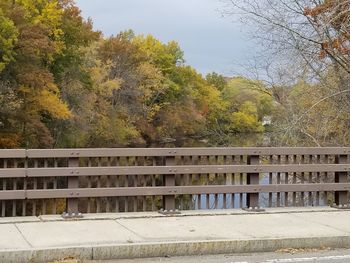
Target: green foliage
x=246, y=119
x=245, y=107
x=216, y=80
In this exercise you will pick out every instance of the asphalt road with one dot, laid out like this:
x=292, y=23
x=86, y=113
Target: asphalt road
x=289, y=256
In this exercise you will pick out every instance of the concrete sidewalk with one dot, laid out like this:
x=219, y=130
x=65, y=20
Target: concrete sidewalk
x=130, y=235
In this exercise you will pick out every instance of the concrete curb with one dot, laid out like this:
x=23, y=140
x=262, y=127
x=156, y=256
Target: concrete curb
x=143, y=250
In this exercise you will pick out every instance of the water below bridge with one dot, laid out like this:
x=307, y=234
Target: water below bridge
x=239, y=200
x=240, y=140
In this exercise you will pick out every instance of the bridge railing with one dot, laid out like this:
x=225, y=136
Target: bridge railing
x=52, y=181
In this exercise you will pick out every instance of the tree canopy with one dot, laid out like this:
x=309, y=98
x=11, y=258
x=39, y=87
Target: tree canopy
x=63, y=84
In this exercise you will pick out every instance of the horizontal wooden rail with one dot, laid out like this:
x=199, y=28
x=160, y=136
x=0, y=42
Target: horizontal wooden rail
x=164, y=190
x=17, y=153
x=186, y=169
x=108, y=152
x=42, y=153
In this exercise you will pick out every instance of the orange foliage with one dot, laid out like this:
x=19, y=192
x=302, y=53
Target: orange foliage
x=319, y=9
x=335, y=9
x=9, y=140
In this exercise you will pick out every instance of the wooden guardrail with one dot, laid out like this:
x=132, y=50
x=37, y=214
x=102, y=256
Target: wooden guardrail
x=50, y=181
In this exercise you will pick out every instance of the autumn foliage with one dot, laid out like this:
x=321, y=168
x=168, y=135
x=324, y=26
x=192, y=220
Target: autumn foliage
x=62, y=84
x=333, y=15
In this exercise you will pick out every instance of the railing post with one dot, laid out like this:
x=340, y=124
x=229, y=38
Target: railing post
x=73, y=182
x=253, y=178
x=341, y=197
x=169, y=180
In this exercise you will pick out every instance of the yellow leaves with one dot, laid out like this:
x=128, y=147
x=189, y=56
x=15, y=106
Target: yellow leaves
x=246, y=119
x=242, y=122
x=113, y=131
x=299, y=91
x=51, y=17
x=102, y=84
x=8, y=38
x=24, y=89
x=151, y=80
x=164, y=56
x=46, y=100
x=249, y=108
x=110, y=85
x=248, y=103
x=2, y=66
x=153, y=110
x=99, y=71
x=240, y=90
x=53, y=105
x=42, y=11
x=47, y=14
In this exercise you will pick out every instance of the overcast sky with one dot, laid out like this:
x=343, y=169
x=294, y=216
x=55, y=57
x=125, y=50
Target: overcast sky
x=210, y=42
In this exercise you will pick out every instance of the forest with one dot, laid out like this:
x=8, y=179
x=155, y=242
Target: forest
x=64, y=84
